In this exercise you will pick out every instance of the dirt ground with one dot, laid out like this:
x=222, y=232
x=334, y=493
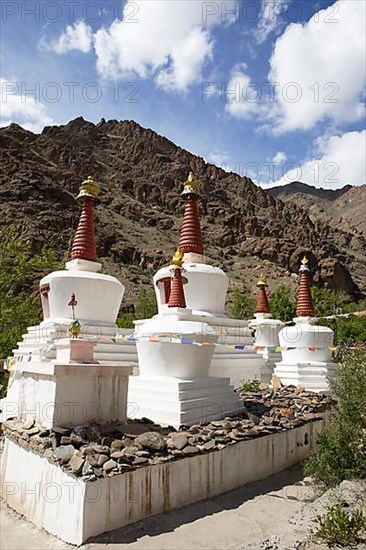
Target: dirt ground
x=231, y=521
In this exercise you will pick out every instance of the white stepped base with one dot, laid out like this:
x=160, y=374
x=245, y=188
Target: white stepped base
x=310, y=376
x=39, y=341
x=177, y=401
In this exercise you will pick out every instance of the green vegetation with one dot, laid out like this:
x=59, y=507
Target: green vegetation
x=145, y=307
x=339, y=526
x=243, y=305
x=282, y=304
x=347, y=330
x=341, y=447
x=20, y=271
x=249, y=385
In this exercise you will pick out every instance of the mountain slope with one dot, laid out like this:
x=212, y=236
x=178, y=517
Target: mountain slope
x=139, y=213
x=344, y=207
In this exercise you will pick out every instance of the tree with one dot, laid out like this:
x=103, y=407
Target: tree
x=328, y=302
x=340, y=452
x=243, y=305
x=20, y=272
x=282, y=304
x=145, y=305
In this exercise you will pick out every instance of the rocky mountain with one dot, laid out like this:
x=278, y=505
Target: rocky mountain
x=139, y=213
x=346, y=207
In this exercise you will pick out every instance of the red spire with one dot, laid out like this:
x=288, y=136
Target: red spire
x=262, y=300
x=177, y=298
x=83, y=246
x=190, y=236
x=305, y=306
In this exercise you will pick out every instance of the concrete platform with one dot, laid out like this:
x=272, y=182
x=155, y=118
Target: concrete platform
x=75, y=510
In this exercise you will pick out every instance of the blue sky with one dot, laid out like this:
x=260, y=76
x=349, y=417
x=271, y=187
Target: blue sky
x=273, y=89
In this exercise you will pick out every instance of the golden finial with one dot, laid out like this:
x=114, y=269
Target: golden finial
x=304, y=264
x=262, y=281
x=191, y=186
x=178, y=259
x=89, y=188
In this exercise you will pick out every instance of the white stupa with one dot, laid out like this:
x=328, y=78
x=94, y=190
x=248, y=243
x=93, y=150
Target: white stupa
x=306, y=357
x=266, y=332
x=175, y=350
x=99, y=298
x=54, y=378
x=205, y=296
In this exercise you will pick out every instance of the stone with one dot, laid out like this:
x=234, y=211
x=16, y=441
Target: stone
x=144, y=454
x=129, y=451
x=65, y=440
x=109, y=465
x=93, y=460
x=177, y=441
x=87, y=468
x=102, y=459
x=76, y=464
x=151, y=440
x=107, y=441
x=209, y=444
x=138, y=460
x=76, y=439
x=117, y=444
x=33, y=431
x=64, y=453
x=28, y=424
x=190, y=450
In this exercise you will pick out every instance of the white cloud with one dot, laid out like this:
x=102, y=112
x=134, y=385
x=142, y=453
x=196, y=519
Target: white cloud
x=337, y=161
x=241, y=97
x=269, y=18
x=169, y=40
x=317, y=68
x=78, y=36
x=187, y=61
x=279, y=157
x=22, y=109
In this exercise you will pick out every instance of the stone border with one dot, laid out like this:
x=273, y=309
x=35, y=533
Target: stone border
x=75, y=510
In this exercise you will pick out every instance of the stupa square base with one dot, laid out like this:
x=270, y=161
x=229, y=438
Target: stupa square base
x=67, y=394
x=76, y=510
x=176, y=401
x=312, y=376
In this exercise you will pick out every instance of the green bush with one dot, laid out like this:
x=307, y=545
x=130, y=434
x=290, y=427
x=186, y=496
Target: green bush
x=338, y=526
x=328, y=302
x=341, y=447
x=283, y=304
x=249, y=385
x=347, y=330
x=20, y=272
x=145, y=305
x=243, y=305
x=125, y=320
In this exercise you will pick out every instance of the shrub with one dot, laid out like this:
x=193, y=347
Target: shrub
x=339, y=527
x=243, y=305
x=249, y=385
x=145, y=305
x=341, y=447
x=283, y=304
x=20, y=272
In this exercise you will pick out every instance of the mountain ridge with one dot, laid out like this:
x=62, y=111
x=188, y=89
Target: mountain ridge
x=139, y=211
